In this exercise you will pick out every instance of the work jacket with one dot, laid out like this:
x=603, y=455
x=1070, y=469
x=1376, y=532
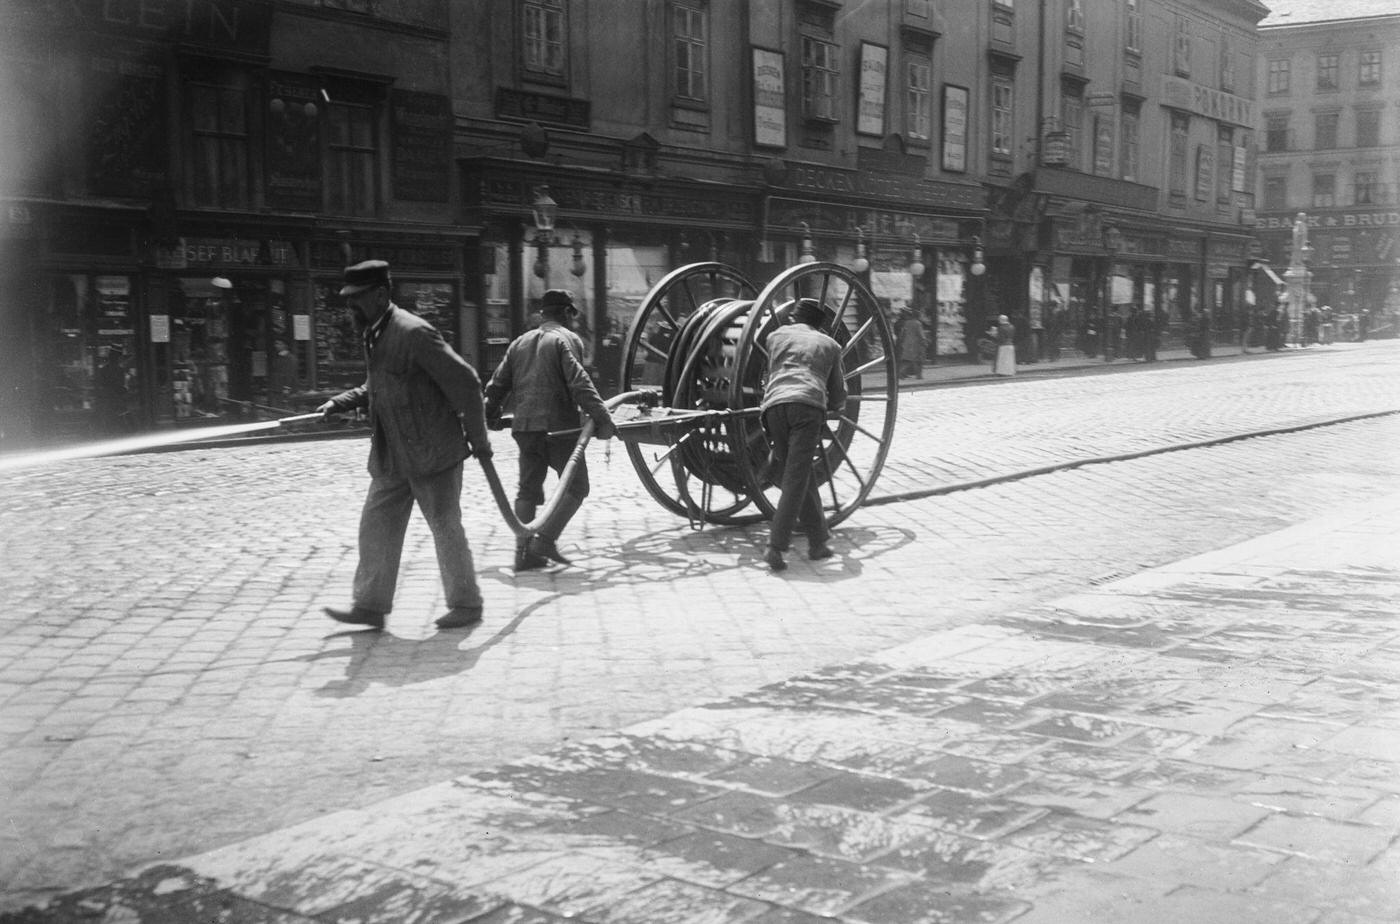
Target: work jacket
x=804, y=367
x=543, y=373
x=424, y=400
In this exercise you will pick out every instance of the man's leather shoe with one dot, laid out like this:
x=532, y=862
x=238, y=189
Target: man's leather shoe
x=820, y=552
x=774, y=559
x=545, y=547
x=459, y=617
x=525, y=560
x=356, y=616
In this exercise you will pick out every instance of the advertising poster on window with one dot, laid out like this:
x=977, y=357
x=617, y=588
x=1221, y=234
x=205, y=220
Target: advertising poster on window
x=870, y=107
x=294, y=114
x=954, y=128
x=769, y=99
x=1205, y=171
x=126, y=144
x=422, y=146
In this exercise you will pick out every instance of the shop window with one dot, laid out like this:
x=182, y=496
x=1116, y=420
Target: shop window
x=217, y=116
x=1324, y=188
x=918, y=97
x=1280, y=73
x=1327, y=70
x=1128, y=153
x=1325, y=131
x=820, y=70
x=86, y=351
x=1368, y=128
x=1275, y=192
x=690, y=40
x=1369, y=69
x=351, y=159
x=544, y=32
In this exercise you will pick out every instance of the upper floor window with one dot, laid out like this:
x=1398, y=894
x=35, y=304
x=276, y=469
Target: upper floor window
x=1181, y=48
x=819, y=72
x=1280, y=69
x=1327, y=69
x=1002, y=113
x=691, y=40
x=1276, y=133
x=1227, y=66
x=351, y=159
x=1325, y=131
x=1368, y=128
x=1128, y=150
x=1369, y=71
x=1132, y=27
x=1324, y=190
x=219, y=166
x=1177, y=155
x=918, y=97
x=545, y=30
x=1366, y=188
x=1074, y=15
x=1275, y=192
x=1072, y=117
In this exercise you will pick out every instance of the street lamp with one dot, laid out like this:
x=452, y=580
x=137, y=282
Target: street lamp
x=807, y=255
x=862, y=261
x=916, y=262
x=978, y=267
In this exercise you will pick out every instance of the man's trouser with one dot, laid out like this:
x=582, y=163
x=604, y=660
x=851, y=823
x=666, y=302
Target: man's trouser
x=383, y=521
x=794, y=431
x=539, y=453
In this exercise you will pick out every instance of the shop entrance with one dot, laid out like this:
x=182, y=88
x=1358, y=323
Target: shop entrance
x=215, y=363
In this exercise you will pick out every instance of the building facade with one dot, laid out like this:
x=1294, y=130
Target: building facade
x=192, y=180
x=1329, y=78
x=200, y=172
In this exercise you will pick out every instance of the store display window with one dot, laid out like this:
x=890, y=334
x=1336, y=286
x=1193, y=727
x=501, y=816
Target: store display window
x=87, y=354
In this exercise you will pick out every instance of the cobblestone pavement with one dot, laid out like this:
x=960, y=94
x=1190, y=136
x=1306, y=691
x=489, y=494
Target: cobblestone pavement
x=168, y=686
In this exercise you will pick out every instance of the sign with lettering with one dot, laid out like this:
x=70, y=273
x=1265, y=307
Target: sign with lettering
x=815, y=178
x=211, y=251
x=232, y=25
x=1180, y=93
x=870, y=103
x=422, y=145
x=541, y=107
x=294, y=116
x=954, y=128
x=126, y=144
x=769, y=99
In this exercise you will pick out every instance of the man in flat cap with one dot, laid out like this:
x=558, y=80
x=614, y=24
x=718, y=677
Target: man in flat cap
x=543, y=370
x=426, y=417
x=806, y=380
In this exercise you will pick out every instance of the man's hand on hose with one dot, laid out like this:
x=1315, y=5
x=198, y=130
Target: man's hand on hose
x=326, y=410
x=604, y=429
x=493, y=416
x=480, y=448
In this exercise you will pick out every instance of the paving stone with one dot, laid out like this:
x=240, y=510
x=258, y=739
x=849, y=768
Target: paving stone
x=818, y=885
x=1205, y=817
x=1318, y=838
x=1174, y=859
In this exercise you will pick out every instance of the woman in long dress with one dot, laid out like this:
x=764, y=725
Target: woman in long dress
x=1006, y=347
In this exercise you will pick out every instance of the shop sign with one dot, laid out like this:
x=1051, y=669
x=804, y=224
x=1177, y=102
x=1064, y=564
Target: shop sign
x=540, y=107
x=511, y=192
x=870, y=104
x=126, y=151
x=769, y=99
x=1335, y=220
x=830, y=180
x=294, y=142
x=238, y=25
x=422, y=146
x=955, y=104
x=1207, y=101
x=789, y=215
x=209, y=251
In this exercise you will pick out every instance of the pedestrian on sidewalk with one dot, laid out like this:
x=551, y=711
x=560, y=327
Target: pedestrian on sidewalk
x=543, y=372
x=911, y=345
x=806, y=380
x=1006, y=347
x=425, y=417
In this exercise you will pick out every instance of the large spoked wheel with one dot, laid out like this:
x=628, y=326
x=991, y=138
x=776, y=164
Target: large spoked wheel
x=855, y=441
x=682, y=346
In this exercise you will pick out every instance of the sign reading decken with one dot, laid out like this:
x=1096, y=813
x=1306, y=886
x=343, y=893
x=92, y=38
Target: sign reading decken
x=1211, y=103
